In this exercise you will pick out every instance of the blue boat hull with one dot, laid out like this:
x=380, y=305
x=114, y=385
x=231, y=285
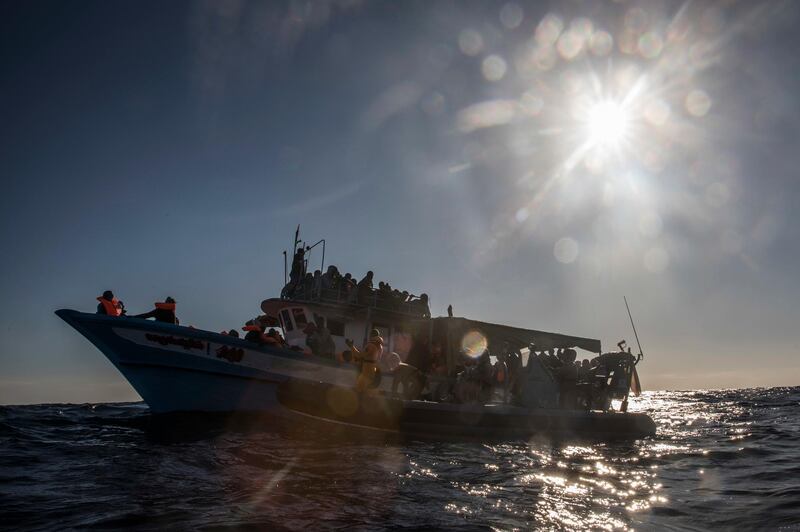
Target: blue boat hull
x=181, y=369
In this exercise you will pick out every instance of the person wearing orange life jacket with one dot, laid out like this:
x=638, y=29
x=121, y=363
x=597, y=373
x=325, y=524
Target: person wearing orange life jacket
x=255, y=333
x=273, y=337
x=110, y=305
x=164, y=312
x=368, y=358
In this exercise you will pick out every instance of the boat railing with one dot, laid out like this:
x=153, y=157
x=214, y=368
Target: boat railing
x=372, y=298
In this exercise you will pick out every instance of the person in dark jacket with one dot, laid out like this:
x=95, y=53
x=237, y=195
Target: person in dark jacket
x=365, y=288
x=164, y=312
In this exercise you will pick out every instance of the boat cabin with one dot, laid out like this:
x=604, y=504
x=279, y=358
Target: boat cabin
x=401, y=330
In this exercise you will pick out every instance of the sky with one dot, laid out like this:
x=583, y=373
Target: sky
x=528, y=163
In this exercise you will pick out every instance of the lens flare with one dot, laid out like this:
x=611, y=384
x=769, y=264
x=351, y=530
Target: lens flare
x=608, y=124
x=474, y=343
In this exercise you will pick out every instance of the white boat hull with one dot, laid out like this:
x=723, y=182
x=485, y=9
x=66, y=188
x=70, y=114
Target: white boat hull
x=181, y=369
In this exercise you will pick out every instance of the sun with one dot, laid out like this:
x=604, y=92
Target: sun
x=608, y=124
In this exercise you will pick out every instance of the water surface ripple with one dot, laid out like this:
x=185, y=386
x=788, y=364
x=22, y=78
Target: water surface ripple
x=721, y=460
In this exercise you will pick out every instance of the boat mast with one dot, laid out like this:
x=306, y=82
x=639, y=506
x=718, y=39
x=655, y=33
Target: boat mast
x=641, y=353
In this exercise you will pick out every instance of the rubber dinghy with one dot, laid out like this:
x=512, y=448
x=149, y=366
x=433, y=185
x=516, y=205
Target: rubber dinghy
x=438, y=420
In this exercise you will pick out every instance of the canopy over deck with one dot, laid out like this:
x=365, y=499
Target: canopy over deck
x=516, y=337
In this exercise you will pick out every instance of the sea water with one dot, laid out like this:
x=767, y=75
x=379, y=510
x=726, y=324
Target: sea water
x=721, y=460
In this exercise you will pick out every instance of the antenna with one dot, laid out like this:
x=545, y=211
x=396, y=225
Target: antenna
x=641, y=353
x=285, y=275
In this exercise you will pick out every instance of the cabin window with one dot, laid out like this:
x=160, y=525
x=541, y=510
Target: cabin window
x=287, y=320
x=336, y=327
x=299, y=317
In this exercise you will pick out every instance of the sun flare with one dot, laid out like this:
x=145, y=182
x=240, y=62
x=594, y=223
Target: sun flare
x=608, y=124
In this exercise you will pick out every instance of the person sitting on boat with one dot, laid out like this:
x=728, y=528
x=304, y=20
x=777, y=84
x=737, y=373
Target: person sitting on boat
x=368, y=360
x=365, y=288
x=397, y=299
x=421, y=306
x=254, y=333
x=164, y=312
x=330, y=282
x=273, y=337
x=316, y=286
x=349, y=288
x=110, y=305
x=312, y=338
x=438, y=383
x=438, y=361
x=513, y=361
x=319, y=340
x=306, y=286
x=554, y=359
x=412, y=374
x=383, y=294
x=474, y=384
x=585, y=371
x=567, y=381
x=540, y=389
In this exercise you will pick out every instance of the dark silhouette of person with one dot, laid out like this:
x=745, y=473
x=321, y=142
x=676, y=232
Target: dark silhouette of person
x=365, y=287
x=298, y=266
x=110, y=305
x=164, y=312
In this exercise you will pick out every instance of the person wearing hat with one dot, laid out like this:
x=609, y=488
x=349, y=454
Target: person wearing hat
x=368, y=358
x=164, y=312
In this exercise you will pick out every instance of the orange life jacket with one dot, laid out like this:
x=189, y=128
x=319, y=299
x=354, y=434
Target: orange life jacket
x=165, y=306
x=251, y=328
x=500, y=374
x=112, y=307
x=377, y=349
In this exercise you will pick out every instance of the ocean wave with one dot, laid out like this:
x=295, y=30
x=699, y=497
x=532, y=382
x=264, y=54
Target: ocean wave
x=721, y=459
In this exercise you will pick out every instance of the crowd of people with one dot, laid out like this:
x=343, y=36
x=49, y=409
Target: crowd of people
x=576, y=384
x=333, y=286
x=585, y=384
x=257, y=333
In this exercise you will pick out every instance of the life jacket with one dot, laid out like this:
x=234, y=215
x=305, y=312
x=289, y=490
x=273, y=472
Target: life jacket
x=500, y=372
x=112, y=307
x=372, y=359
x=251, y=328
x=165, y=306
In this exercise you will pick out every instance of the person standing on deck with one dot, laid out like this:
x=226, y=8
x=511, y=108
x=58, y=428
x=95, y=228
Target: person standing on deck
x=298, y=266
x=368, y=359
